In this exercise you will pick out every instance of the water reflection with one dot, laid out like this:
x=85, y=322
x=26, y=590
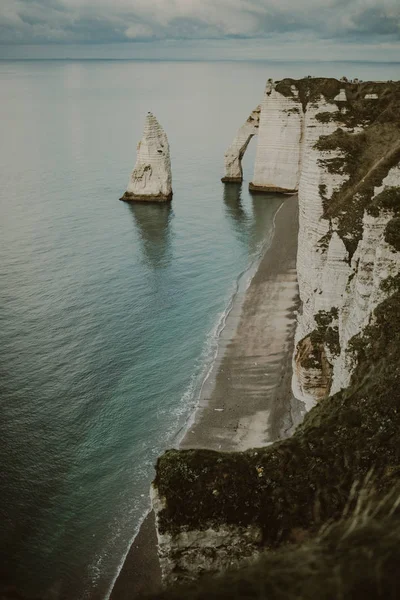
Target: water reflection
x=264, y=208
x=251, y=214
x=233, y=203
x=153, y=224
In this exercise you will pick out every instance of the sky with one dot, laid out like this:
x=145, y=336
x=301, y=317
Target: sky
x=347, y=25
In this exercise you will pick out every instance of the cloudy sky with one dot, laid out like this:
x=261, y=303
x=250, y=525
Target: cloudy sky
x=372, y=22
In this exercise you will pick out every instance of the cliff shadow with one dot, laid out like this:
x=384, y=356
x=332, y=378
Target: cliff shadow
x=153, y=225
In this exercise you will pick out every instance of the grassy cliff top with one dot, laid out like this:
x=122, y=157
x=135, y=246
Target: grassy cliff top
x=356, y=91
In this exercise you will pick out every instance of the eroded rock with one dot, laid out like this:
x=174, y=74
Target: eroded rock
x=151, y=179
x=235, y=152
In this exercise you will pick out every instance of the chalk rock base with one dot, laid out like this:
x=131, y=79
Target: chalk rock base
x=262, y=189
x=129, y=197
x=231, y=180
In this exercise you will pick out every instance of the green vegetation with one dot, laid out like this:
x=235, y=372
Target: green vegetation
x=326, y=332
x=304, y=481
x=350, y=145
x=310, y=89
x=323, y=242
x=365, y=158
x=293, y=111
x=389, y=200
x=322, y=190
x=326, y=117
x=392, y=233
x=391, y=284
x=355, y=196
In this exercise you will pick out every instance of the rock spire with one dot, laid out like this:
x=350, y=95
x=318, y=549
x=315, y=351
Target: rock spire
x=151, y=179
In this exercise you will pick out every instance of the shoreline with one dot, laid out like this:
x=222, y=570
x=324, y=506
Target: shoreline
x=246, y=399
x=240, y=404
x=226, y=330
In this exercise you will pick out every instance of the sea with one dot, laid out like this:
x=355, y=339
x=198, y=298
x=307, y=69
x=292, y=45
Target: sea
x=110, y=313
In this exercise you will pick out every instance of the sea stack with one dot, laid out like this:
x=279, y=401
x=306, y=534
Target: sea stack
x=151, y=179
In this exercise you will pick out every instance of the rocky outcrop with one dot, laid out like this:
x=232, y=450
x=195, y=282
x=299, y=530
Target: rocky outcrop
x=277, y=166
x=235, y=152
x=184, y=555
x=312, y=370
x=151, y=179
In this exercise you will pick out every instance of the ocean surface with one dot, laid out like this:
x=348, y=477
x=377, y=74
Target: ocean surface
x=109, y=312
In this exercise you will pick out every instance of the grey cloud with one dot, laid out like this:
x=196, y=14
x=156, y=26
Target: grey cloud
x=121, y=20
x=374, y=20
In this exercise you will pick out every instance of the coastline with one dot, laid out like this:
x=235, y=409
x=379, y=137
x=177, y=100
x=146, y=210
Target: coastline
x=246, y=400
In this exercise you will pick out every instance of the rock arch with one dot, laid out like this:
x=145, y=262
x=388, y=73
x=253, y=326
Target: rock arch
x=235, y=152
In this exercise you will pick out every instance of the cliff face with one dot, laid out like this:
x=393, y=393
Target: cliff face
x=209, y=550
x=339, y=144
x=277, y=165
x=374, y=261
x=151, y=179
x=343, y=257
x=322, y=268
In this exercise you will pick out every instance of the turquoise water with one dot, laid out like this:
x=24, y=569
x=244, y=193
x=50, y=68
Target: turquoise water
x=109, y=312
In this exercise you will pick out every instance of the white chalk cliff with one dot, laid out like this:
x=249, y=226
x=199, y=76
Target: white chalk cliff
x=235, y=152
x=151, y=179
x=322, y=260
x=328, y=279
x=373, y=262
x=277, y=166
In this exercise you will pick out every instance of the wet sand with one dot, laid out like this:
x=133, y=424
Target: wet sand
x=247, y=400
x=141, y=573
